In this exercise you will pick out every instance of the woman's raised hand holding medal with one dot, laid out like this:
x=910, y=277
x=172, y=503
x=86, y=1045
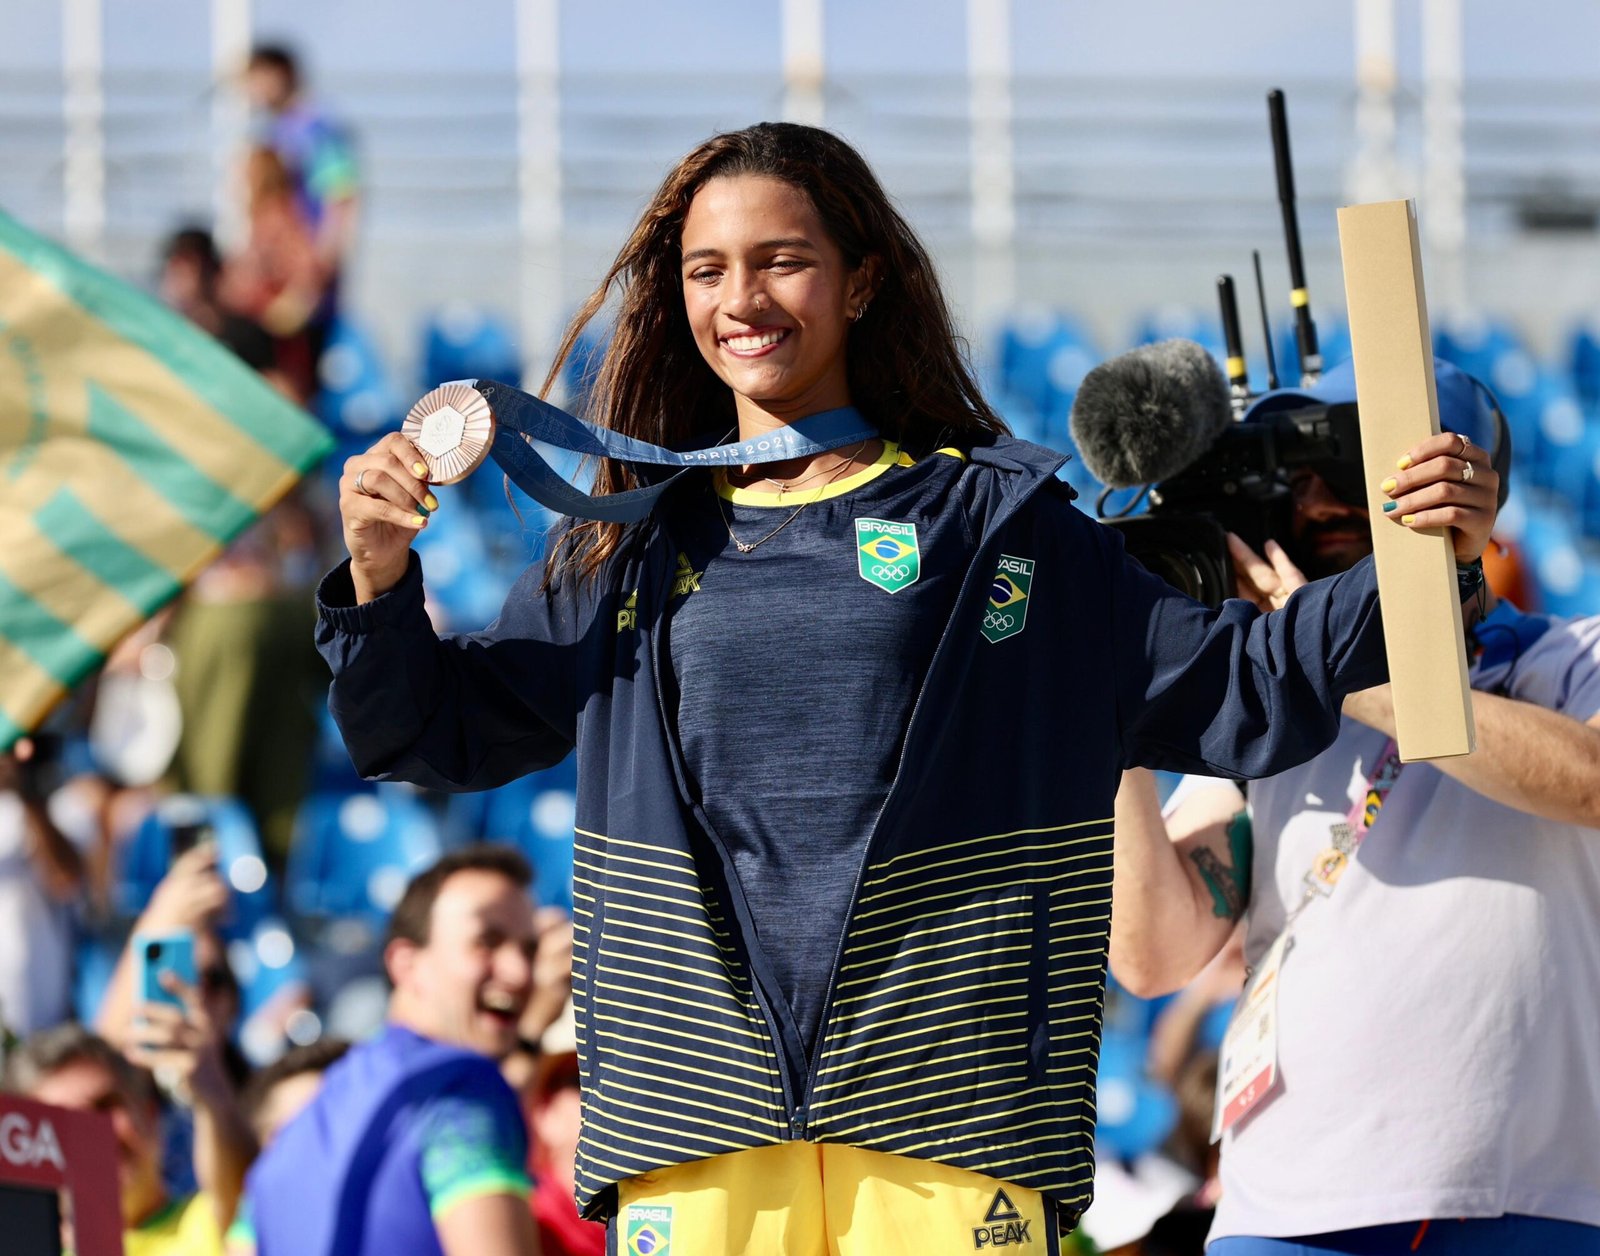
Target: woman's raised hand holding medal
x=384, y=501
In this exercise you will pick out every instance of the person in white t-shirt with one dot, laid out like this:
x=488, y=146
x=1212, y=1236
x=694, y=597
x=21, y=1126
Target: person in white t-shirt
x=1436, y=1042
x=41, y=873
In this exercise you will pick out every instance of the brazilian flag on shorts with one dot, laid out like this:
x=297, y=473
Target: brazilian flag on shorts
x=133, y=447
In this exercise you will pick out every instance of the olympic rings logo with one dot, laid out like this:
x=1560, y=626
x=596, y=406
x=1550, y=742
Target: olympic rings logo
x=899, y=571
x=999, y=620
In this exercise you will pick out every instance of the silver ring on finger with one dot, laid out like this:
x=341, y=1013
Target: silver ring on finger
x=1465, y=443
x=359, y=474
x=1466, y=473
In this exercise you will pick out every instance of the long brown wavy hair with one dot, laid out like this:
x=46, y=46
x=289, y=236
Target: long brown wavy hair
x=907, y=368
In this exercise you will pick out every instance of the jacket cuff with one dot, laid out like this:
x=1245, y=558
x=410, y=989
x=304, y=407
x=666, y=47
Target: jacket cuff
x=336, y=600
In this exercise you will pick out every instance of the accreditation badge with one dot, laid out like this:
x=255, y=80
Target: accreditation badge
x=1247, y=1074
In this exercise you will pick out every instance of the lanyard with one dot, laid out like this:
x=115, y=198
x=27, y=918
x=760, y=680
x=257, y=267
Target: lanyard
x=521, y=417
x=1345, y=836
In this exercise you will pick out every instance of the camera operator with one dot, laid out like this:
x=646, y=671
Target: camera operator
x=1436, y=1031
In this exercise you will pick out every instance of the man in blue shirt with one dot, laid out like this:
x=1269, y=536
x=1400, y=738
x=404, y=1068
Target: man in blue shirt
x=415, y=1143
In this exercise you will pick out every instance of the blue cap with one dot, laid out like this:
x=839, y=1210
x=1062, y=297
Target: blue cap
x=1465, y=405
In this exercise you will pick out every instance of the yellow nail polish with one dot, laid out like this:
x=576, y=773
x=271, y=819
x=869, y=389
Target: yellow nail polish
x=1388, y=486
x=1408, y=518
x=430, y=501
x=419, y=468
x=1404, y=462
x=417, y=521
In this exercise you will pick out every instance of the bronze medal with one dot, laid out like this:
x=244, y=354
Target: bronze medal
x=453, y=429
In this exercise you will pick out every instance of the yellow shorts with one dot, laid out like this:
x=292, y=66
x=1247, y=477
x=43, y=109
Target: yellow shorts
x=823, y=1199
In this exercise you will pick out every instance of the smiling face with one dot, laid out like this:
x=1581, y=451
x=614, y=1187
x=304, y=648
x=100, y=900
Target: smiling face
x=769, y=296
x=469, y=983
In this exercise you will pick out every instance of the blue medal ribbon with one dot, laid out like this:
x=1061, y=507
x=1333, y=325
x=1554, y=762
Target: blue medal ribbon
x=519, y=415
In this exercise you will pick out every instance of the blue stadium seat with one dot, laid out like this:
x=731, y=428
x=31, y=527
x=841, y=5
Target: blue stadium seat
x=461, y=342
x=1474, y=341
x=1587, y=496
x=1029, y=343
x=1548, y=537
x=1522, y=390
x=356, y=396
x=143, y=859
x=1557, y=437
x=1133, y=1114
x=353, y=854
x=94, y=959
x=1064, y=372
x=457, y=573
x=1583, y=363
x=1569, y=581
x=533, y=813
x=271, y=968
x=1181, y=322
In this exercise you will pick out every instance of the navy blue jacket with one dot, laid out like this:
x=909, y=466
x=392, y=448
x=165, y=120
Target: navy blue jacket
x=963, y=1022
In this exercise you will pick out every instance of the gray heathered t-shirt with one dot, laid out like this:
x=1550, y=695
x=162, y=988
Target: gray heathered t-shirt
x=1440, y=1012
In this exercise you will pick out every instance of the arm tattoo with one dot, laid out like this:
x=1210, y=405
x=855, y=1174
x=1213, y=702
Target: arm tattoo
x=1229, y=882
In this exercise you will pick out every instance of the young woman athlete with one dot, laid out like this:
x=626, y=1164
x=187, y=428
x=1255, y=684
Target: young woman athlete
x=848, y=729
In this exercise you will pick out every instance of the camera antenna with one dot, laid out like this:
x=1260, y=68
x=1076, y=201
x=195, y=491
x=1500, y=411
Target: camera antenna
x=1266, y=326
x=1238, y=373
x=1305, y=330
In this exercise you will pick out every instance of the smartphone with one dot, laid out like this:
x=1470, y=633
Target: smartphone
x=158, y=953
x=188, y=834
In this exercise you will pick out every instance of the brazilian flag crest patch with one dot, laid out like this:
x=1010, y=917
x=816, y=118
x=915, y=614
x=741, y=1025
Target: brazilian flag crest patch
x=886, y=553
x=648, y=1231
x=1006, y=612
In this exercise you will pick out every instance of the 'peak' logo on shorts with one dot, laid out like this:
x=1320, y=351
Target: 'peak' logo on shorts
x=1002, y=1225
x=886, y=553
x=1007, y=610
x=649, y=1231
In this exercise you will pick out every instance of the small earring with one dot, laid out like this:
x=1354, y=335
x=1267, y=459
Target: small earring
x=861, y=311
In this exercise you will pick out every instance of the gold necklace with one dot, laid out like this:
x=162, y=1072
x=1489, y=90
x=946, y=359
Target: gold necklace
x=787, y=486
x=745, y=547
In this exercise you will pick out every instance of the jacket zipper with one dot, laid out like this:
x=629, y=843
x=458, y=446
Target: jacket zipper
x=758, y=980
x=799, y=1119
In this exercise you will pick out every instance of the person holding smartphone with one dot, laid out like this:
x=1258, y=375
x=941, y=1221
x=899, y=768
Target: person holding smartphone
x=71, y=1067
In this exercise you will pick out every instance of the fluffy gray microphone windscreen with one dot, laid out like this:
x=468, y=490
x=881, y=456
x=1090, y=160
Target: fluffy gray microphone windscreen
x=1145, y=415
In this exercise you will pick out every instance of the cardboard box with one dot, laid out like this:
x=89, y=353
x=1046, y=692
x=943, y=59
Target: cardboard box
x=1393, y=351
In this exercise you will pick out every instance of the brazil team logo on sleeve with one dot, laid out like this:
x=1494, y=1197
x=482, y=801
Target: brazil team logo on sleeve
x=648, y=1231
x=886, y=553
x=1007, y=608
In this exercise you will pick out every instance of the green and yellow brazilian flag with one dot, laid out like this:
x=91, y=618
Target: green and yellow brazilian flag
x=133, y=447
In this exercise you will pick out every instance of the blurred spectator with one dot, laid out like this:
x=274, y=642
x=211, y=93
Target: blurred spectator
x=554, y=1117
x=543, y=1070
x=73, y=1068
x=191, y=898
x=277, y=278
x=278, y=1093
x=317, y=153
x=40, y=874
x=247, y=677
x=415, y=1143
x=190, y=283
